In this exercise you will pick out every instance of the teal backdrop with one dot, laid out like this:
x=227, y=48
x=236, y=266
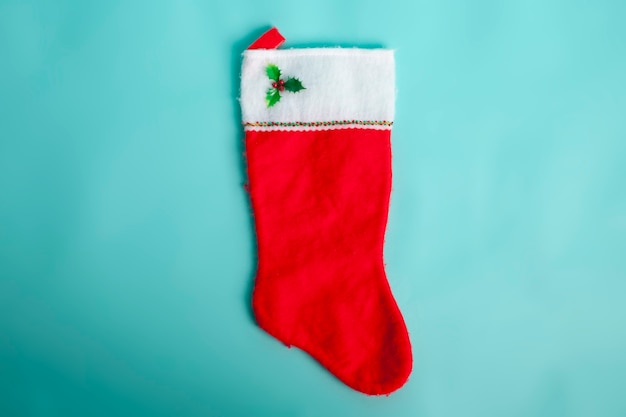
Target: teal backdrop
x=127, y=249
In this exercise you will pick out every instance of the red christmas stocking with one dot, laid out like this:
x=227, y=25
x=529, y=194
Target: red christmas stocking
x=318, y=126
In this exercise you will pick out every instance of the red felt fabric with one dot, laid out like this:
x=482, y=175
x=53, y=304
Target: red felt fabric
x=269, y=40
x=320, y=201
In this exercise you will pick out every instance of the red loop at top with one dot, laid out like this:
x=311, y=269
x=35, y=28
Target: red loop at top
x=271, y=39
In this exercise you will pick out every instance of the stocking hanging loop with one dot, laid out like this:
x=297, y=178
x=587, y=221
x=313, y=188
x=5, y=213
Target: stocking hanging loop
x=271, y=39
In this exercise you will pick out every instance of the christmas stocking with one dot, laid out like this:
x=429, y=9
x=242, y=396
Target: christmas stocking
x=317, y=132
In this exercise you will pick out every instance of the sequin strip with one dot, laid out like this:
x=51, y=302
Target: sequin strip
x=319, y=124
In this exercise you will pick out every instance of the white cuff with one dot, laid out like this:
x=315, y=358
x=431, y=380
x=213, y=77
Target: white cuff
x=343, y=87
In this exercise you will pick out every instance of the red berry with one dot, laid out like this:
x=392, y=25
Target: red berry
x=282, y=82
x=275, y=85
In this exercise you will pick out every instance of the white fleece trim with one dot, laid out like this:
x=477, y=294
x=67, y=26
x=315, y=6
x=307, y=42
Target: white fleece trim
x=341, y=84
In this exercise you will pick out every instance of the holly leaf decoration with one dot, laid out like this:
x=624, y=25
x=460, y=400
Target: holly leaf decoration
x=273, y=72
x=272, y=97
x=293, y=85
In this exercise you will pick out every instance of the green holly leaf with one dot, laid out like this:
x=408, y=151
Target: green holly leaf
x=273, y=72
x=293, y=85
x=272, y=97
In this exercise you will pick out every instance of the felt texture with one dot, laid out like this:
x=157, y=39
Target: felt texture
x=319, y=172
x=341, y=84
x=269, y=40
x=320, y=200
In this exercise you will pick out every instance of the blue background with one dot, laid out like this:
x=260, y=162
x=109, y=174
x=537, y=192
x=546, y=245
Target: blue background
x=127, y=250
